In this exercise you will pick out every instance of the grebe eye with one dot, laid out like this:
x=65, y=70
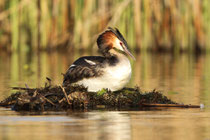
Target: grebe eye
x=121, y=44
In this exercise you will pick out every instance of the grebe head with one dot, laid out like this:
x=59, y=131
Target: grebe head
x=112, y=41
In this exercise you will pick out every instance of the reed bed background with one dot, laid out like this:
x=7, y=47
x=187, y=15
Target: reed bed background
x=159, y=25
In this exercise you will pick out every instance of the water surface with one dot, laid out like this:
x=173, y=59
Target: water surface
x=184, y=78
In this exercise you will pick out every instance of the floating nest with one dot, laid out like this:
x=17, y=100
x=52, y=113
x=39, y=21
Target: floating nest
x=59, y=98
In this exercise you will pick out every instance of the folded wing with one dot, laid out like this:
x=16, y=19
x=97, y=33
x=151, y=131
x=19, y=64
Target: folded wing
x=84, y=67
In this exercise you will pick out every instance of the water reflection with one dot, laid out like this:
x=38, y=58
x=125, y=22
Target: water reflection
x=78, y=125
x=182, y=77
x=155, y=124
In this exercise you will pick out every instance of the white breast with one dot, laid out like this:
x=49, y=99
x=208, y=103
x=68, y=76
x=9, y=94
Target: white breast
x=114, y=77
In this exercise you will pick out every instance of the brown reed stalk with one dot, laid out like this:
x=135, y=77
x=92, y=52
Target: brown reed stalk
x=38, y=24
x=137, y=22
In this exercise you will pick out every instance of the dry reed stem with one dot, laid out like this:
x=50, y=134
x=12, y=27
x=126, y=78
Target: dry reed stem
x=65, y=95
x=171, y=105
x=48, y=100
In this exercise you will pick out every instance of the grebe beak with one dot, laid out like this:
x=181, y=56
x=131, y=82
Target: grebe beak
x=129, y=53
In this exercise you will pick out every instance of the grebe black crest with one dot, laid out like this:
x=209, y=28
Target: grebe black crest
x=112, y=70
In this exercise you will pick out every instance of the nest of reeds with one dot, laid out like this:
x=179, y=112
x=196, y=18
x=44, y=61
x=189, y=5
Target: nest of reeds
x=77, y=97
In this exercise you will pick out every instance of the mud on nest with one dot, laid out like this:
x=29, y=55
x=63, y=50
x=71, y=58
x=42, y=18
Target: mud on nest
x=77, y=97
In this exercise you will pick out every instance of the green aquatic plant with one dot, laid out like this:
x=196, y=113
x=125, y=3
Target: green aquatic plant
x=102, y=91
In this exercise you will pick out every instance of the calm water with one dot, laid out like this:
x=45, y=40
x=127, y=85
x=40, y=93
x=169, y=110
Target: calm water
x=183, y=78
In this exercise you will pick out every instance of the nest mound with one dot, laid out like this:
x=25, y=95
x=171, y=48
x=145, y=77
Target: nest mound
x=77, y=97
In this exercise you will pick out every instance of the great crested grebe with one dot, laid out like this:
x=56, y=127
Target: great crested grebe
x=112, y=70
